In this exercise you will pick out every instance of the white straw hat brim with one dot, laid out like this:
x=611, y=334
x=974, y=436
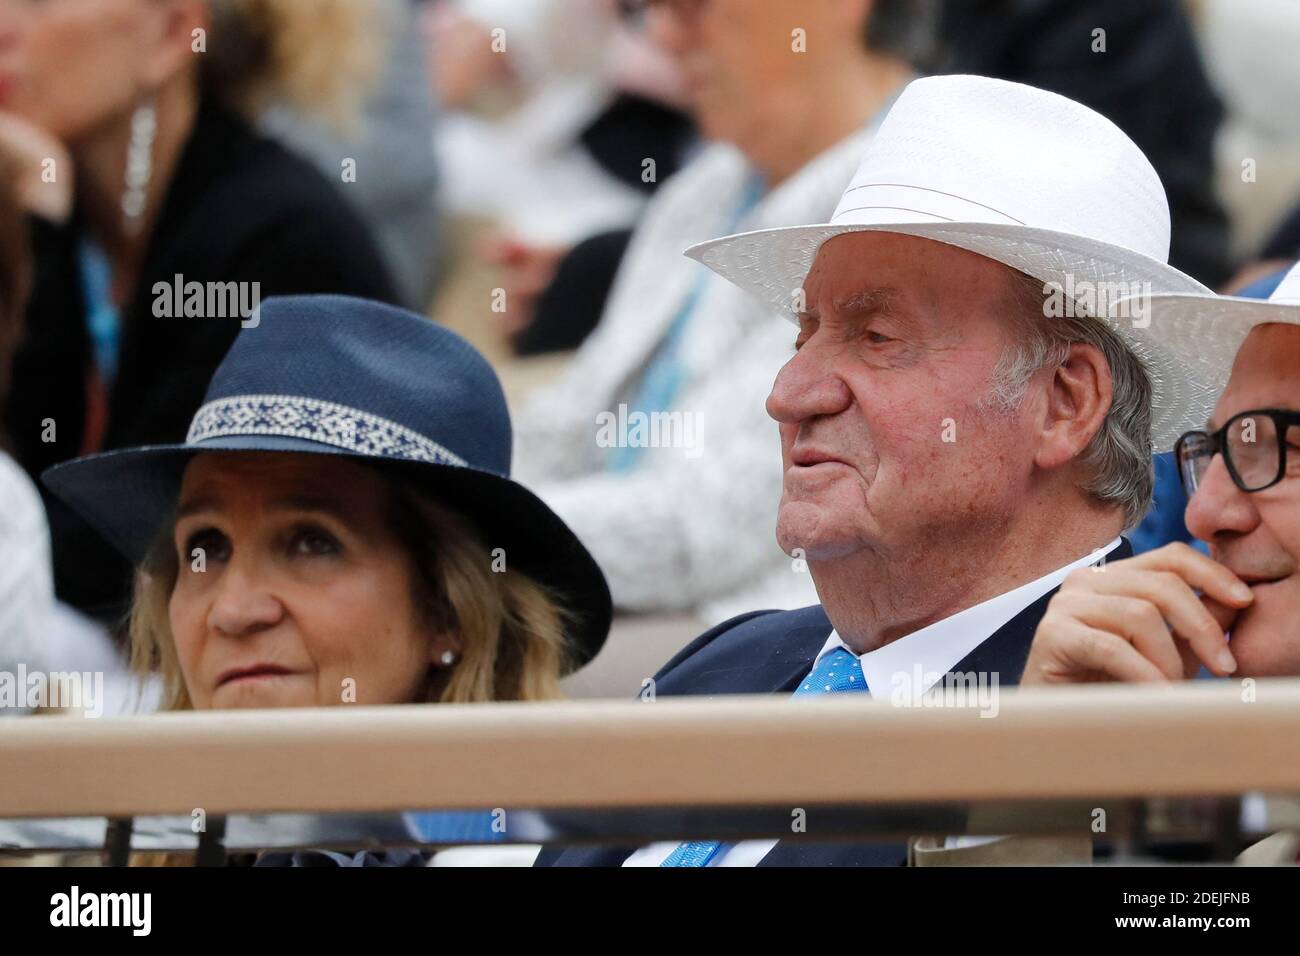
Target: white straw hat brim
x=1205, y=333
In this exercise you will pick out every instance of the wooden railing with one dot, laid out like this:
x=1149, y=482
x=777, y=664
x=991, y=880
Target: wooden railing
x=1199, y=739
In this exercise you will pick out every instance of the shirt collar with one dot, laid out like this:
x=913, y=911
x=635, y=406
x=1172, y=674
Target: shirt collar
x=936, y=648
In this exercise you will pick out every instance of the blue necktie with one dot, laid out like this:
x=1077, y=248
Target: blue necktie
x=836, y=673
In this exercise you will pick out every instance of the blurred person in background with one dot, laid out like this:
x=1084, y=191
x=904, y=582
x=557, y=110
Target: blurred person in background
x=36, y=632
x=340, y=527
x=26, y=586
x=1139, y=65
x=390, y=140
x=522, y=163
x=1248, y=47
x=1258, y=278
x=1143, y=71
x=789, y=98
x=131, y=119
x=546, y=139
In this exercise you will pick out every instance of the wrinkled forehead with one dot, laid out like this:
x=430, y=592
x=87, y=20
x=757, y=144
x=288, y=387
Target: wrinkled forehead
x=892, y=268
x=1265, y=373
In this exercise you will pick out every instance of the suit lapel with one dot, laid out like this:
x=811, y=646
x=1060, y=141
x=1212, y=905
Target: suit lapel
x=1006, y=651
x=763, y=662
x=790, y=660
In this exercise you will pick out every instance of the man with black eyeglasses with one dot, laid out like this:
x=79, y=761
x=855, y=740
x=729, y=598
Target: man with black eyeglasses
x=1163, y=614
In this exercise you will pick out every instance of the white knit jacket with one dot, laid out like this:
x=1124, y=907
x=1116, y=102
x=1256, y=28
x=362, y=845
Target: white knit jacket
x=684, y=530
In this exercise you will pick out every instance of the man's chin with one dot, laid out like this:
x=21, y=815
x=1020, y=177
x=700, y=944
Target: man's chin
x=1265, y=639
x=813, y=532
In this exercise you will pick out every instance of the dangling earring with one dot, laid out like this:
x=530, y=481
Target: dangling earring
x=448, y=658
x=139, y=166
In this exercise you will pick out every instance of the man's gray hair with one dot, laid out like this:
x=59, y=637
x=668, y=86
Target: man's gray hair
x=1119, y=456
x=907, y=29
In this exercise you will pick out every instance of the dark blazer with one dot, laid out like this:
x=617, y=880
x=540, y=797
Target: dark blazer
x=239, y=208
x=770, y=652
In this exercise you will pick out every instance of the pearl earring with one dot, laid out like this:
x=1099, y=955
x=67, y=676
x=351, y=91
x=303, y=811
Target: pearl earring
x=448, y=658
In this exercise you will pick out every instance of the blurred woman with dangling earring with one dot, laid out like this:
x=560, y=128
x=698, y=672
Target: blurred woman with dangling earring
x=160, y=218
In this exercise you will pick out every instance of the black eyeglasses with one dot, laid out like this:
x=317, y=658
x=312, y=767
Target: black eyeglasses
x=1253, y=445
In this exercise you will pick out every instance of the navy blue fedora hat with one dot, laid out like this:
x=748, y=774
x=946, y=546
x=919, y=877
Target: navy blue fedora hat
x=334, y=375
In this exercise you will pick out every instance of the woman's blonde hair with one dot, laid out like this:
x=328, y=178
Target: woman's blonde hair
x=322, y=56
x=512, y=631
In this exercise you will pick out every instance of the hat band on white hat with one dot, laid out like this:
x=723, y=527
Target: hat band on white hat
x=865, y=203
x=312, y=419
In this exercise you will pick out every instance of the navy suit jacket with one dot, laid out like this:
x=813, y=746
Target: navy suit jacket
x=770, y=652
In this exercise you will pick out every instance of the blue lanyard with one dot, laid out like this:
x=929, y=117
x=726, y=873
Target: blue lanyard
x=103, y=318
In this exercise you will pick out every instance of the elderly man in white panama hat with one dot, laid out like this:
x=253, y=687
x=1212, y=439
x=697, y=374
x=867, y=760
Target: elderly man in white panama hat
x=959, y=432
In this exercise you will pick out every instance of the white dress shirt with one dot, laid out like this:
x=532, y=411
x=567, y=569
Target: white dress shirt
x=932, y=651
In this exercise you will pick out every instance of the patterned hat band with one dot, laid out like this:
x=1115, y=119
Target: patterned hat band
x=311, y=419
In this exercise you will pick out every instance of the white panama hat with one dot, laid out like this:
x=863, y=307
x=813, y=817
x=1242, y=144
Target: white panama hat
x=1026, y=177
x=1205, y=332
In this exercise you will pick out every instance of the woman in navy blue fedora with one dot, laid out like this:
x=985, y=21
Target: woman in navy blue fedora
x=340, y=526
